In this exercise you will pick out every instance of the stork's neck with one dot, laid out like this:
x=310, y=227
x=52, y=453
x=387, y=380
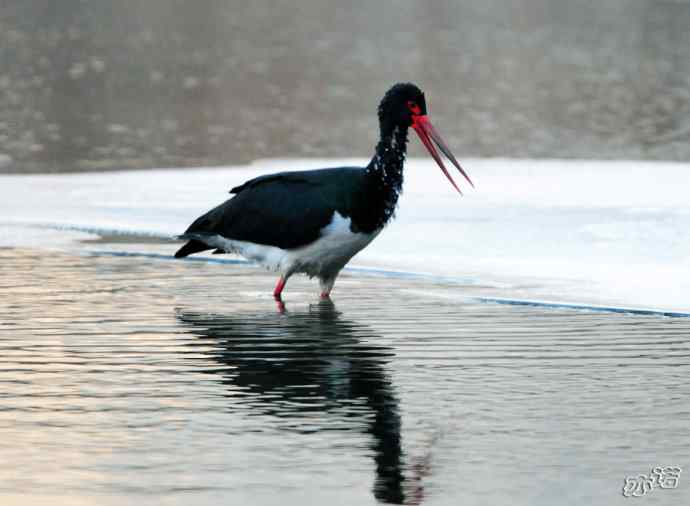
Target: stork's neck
x=386, y=169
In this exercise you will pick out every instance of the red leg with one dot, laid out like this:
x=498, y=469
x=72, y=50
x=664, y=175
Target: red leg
x=327, y=286
x=279, y=288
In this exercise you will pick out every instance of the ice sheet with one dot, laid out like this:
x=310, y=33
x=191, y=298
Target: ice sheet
x=587, y=232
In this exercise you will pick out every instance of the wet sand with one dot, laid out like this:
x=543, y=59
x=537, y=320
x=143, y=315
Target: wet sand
x=142, y=379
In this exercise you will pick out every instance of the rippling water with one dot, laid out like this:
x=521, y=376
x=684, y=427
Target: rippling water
x=149, y=381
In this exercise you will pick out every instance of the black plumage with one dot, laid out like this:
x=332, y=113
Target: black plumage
x=285, y=210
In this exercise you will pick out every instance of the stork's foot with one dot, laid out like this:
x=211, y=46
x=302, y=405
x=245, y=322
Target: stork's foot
x=326, y=286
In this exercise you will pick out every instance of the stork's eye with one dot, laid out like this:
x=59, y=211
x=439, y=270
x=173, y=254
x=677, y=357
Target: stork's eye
x=414, y=107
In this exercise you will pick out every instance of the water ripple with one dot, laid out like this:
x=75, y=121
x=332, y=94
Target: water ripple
x=188, y=374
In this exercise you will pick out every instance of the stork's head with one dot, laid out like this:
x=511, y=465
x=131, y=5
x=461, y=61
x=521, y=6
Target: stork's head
x=404, y=106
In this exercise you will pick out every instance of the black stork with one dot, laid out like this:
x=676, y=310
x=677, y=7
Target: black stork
x=315, y=221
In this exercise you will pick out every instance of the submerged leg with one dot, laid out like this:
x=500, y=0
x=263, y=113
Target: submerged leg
x=279, y=288
x=327, y=286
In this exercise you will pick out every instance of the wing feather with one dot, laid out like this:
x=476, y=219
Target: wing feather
x=287, y=210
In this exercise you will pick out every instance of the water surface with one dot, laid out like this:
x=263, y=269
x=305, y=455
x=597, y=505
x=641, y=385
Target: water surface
x=143, y=380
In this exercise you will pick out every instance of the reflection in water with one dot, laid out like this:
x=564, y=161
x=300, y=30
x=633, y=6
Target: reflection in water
x=296, y=363
x=100, y=386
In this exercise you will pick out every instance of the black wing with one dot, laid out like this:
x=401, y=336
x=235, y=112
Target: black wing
x=287, y=210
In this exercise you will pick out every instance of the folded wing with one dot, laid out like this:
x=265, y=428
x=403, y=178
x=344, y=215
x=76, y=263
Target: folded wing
x=286, y=210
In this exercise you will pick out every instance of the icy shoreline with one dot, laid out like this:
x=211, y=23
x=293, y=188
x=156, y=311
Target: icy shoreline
x=573, y=232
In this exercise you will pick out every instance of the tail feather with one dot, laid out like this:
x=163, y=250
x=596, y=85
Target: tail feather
x=193, y=246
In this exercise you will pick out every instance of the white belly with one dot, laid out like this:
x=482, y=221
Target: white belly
x=323, y=258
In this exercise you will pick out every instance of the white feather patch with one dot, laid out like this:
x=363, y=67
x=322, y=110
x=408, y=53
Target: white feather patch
x=324, y=257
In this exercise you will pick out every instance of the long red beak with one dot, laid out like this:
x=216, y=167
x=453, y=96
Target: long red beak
x=427, y=133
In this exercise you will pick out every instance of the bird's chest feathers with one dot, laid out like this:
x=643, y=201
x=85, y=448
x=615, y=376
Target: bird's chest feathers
x=333, y=249
x=324, y=257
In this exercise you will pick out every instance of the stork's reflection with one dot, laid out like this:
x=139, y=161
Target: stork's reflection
x=314, y=361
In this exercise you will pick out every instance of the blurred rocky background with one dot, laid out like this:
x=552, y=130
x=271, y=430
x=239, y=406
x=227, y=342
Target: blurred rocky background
x=98, y=85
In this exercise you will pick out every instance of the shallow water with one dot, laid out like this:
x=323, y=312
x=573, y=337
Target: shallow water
x=149, y=381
